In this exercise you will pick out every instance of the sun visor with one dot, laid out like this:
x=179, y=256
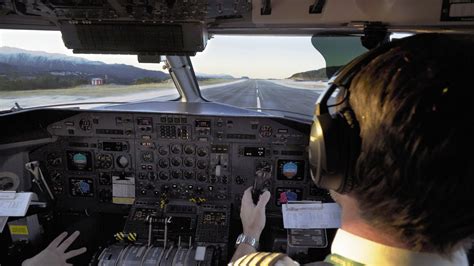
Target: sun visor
x=337, y=50
x=135, y=38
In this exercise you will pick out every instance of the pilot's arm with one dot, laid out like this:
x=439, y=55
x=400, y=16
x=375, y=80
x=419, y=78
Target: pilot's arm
x=253, y=220
x=55, y=254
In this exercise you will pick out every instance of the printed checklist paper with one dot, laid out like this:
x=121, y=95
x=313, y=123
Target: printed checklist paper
x=16, y=206
x=309, y=215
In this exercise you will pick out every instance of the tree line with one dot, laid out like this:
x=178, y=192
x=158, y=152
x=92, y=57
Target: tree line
x=48, y=81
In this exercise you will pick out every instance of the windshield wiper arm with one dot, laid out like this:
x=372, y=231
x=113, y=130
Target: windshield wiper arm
x=16, y=107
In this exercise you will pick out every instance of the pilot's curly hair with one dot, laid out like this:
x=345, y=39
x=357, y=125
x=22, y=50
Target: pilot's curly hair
x=415, y=173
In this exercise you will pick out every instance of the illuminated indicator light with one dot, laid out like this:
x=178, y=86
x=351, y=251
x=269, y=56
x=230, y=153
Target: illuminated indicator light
x=18, y=229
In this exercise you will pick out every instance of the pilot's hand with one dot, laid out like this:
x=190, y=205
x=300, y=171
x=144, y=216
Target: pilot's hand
x=55, y=254
x=253, y=216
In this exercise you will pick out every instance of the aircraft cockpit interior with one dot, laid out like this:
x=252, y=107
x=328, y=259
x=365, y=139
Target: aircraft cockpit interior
x=161, y=182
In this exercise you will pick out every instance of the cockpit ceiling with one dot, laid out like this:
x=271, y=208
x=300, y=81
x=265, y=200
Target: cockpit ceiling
x=244, y=16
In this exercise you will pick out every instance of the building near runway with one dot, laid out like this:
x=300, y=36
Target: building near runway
x=97, y=81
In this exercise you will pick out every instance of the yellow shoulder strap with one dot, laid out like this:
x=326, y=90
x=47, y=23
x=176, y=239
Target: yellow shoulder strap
x=259, y=259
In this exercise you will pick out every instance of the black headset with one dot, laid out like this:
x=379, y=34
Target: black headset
x=335, y=141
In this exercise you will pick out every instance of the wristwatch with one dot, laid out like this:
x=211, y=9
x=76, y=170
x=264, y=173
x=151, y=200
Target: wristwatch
x=247, y=240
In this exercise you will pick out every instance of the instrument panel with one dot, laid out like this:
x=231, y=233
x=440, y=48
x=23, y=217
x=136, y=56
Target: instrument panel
x=104, y=161
x=164, y=182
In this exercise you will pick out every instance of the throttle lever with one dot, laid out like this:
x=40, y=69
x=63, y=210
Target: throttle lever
x=261, y=182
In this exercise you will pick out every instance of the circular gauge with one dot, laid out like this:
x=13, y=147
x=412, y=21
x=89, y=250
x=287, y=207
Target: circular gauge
x=201, y=177
x=176, y=161
x=57, y=183
x=201, y=152
x=189, y=162
x=176, y=149
x=56, y=177
x=53, y=159
x=104, y=161
x=163, y=150
x=176, y=174
x=163, y=163
x=164, y=175
x=85, y=124
x=189, y=175
x=201, y=164
x=188, y=149
x=266, y=131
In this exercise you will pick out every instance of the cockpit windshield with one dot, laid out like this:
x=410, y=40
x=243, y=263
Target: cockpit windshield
x=276, y=75
x=36, y=69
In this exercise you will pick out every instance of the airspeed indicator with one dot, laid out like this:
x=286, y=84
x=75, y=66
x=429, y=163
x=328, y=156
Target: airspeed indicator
x=266, y=131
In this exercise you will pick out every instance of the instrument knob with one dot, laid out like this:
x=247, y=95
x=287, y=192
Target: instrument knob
x=122, y=161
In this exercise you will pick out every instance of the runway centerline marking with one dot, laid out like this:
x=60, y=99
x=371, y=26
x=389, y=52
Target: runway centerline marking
x=259, y=105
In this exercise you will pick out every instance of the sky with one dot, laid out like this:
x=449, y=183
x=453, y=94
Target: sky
x=252, y=56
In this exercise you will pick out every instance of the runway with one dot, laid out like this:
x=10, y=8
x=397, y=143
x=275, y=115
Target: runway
x=269, y=96
x=265, y=96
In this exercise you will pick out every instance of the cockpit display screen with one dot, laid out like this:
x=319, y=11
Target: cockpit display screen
x=285, y=194
x=203, y=123
x=113, y=146
x=79, y=161
x=254, y=151
x=290, y=170
x=81, y=187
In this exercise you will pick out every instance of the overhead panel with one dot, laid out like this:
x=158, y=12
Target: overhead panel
x=340, y=13
x=239, y=16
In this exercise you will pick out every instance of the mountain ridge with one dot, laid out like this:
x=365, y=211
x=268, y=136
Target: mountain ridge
x=314, y=75
x=24, y=69
x=25, y=64
x=4, y=50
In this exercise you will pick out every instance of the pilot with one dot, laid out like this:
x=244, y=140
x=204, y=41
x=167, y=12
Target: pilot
x=410, y=202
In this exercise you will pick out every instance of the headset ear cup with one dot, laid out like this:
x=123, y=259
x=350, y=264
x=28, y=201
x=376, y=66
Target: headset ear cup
x=317, y=154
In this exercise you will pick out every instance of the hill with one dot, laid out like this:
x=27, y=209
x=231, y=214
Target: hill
x=23, y=69
x=203, y=76
x=314, y=75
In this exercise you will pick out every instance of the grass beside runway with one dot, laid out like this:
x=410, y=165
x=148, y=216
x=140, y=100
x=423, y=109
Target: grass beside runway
x=101, y=91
